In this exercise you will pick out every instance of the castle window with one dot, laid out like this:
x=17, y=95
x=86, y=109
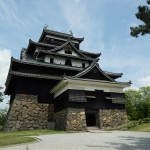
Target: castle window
x=51, y=60
x=68, y=51
x=68, y=62
x=83, y=65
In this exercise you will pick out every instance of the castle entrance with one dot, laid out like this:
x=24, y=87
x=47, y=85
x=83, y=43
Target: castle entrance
x=90, y=118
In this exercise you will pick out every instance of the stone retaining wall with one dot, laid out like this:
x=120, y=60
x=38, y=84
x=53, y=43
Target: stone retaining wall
x=76, y=120
x=112, y=118
x=25, y=113
x=70, y=119
x=60, y=120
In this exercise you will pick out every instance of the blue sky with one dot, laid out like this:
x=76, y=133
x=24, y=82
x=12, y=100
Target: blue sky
x=105, y=25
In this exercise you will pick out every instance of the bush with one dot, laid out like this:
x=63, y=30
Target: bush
x=132, y=124
x=146, y=120
x=140, y=121
x=129, y=117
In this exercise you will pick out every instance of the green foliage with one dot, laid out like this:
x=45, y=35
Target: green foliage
x=146, y=120
x=132, y=124
x=138, y=103
x=143, y=15
x=129, y=117
x=140, y=121
x=3, y=113
x=1, y=94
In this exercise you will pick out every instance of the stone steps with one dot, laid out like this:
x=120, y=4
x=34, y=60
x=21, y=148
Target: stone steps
x=93, y=128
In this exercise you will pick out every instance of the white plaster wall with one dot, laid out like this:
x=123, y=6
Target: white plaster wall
x=63, y=52
x=61, y=60
x=86, y=87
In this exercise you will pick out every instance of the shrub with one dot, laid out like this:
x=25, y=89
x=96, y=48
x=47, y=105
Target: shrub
x=146, y=120
x=140, y=121
x=129, y=117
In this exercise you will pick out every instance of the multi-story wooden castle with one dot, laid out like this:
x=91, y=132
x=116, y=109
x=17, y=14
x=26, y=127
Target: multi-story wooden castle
x=56, y=84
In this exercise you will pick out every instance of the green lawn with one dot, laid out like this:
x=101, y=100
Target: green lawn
x=19, y=137
x=145, y=127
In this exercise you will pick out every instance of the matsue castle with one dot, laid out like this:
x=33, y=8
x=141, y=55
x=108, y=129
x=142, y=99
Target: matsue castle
x=57, y=85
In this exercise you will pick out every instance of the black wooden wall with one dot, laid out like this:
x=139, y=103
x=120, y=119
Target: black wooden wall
x=39, y=87
x=46, y=70
x=100, y=102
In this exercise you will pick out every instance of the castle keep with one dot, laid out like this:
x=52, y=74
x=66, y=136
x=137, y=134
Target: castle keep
x=57, y=85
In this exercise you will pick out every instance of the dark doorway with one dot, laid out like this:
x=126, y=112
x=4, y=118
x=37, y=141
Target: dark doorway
x=91, y=119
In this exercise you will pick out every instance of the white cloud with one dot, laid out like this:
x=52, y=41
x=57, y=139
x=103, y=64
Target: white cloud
x=132, y=87
x=144, y=81
x=5, y=55
x=4, y=64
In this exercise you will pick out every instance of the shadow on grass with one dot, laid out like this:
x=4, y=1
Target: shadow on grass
x=129, y=143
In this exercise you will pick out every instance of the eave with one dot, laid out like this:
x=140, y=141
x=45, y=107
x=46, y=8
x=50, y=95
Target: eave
x=29, y=75
x=32, y=45
x=92, y=54
x=114, y=74
x=59, y=34
x=43, y=52
x=80, y=83
x=13, y=60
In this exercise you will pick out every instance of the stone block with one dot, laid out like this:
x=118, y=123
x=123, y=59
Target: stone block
x=17, y=126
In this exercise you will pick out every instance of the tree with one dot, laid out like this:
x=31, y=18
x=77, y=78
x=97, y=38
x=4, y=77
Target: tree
x=138, y=103
x=132, y=99
x=143, y=15
x=1, y=94
x=3, y=113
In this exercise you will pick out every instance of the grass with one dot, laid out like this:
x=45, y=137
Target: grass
x=145, y=127
x=19, y=137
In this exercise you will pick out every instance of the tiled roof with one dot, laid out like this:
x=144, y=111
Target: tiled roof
x=43, y=76
x=87, y=69
x=30, y=61
x=93, y=80
x=68, y=42
x=113, y=74
x=60, y=34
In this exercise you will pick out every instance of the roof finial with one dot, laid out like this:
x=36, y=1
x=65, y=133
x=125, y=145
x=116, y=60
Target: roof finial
x=71, y=32
x=45, y=27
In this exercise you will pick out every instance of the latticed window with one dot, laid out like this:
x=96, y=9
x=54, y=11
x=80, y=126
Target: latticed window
x=77, y=96
x=118, y=98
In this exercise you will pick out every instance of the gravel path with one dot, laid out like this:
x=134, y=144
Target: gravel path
x=115, y=140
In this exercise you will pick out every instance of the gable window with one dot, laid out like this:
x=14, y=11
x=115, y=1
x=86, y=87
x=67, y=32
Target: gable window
x=51, y=60
x=68, y=51
x=83, y=65
x=68, y=62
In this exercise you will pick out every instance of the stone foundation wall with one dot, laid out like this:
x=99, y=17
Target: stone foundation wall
x=76, y=120
x=51, y=113
x=60, y=120
x=70, y=119
x=25, y=113
x=112, y=118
